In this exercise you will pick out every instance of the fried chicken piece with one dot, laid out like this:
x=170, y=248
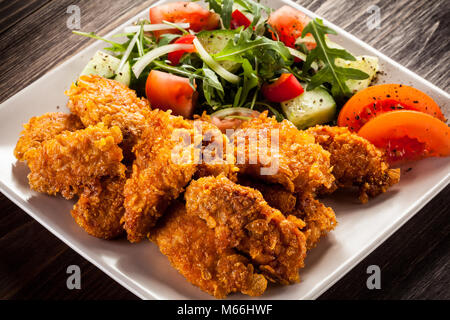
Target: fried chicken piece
x=293, y=160
x=71, y=160
x=43, y=128
x=163, y=167
x=355, y=161
x=317, y=218
x=95, y=99
x=242, y=219
x=100, y=208
x=191, y=248
x=217, y=151
x=275, y=195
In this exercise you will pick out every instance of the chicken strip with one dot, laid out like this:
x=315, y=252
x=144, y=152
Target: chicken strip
x=318, y=219
x=71, y=160
x=355, y=161
x=100, y=208
x=277, y=152
x=163, y=167
x=191, y=248
x=95, y=99
x=43, y=128
x=242, y=219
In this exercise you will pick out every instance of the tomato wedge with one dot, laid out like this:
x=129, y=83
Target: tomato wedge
x=382, y=98
x=289, y=24
x=239, y=19
x=166, y=91
x=175, y=57
x=287, y=87
x=181, y=12
x=408, y=135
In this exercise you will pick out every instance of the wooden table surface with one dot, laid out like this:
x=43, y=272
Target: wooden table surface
x=414, y=262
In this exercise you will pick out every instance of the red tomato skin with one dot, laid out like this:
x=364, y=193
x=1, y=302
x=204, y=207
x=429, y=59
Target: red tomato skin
x=239, y=19
x=166, y=91
x=289, y=24
x=287, y=87
x=175, y=57
x=184, y=12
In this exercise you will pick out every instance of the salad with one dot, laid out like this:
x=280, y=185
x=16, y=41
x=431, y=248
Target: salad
x=237, y=58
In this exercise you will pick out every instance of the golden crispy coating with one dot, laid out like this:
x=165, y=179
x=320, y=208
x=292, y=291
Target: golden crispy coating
x=241, y=219
x=299, y=164
x=275, y=195
x=100, y=208
x=191, y=248
x=43, y=128
x=95, y=99
x=159, y=172
x=217, y=152
x=355, y=161
x=71, y=160
x=318, y=218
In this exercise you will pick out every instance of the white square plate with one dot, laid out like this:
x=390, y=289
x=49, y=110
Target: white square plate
x=143, y=270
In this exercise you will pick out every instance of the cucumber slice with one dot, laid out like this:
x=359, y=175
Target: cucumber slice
x=214, y=42
x=105, y=65
x=310, y=108
x=367, y=64
x=124, y=76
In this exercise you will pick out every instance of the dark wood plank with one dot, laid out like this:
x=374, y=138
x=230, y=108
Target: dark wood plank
x=39, y=42
x=34, y=39
x=12, y=11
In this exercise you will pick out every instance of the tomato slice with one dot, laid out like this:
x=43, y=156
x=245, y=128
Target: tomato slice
x=175, y=57
x=289, y=24
x=239, y=19
x=287, y=87
x=408, y=135
x=166, y=91
x=382, y=98
x=184, y=12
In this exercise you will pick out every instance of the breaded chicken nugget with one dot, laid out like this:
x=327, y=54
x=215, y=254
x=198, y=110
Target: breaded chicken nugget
x=317, y=218
x=192, y=249
x=43, y=128
x=95, y=99
x=163, y=167
x=100, y=208
x=71, y=160
x=242, y=219
x=293, y=160
x=355, y=161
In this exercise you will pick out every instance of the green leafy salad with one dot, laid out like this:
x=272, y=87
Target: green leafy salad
x=232, y=59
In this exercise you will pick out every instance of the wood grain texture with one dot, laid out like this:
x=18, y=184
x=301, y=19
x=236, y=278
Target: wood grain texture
x=34, y=39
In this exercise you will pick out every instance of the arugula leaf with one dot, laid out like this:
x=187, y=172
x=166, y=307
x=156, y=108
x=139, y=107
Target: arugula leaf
x=251, y=81
x=255, y=9
x=227, y=10
x=271, y=55
x=224, y=8
x=330, y=73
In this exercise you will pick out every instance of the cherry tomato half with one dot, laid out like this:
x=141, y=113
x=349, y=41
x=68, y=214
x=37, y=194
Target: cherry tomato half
x=181, y=12
x=166, y=91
